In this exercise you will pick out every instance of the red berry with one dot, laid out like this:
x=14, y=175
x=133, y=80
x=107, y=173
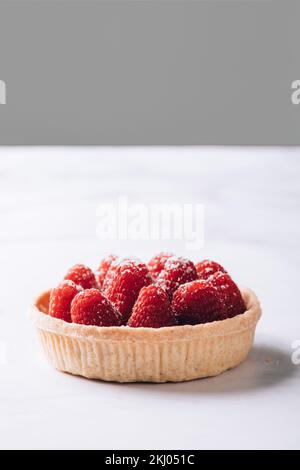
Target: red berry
x=229, y=294
x=128, y=278
x=207, y=267
x=152, y=309
x=61, y=298
x=157, y=264
x=197, y=302
x=111, y=272
x=103, y=268
x=81, y=275
x=177, y=271
x=91, y=307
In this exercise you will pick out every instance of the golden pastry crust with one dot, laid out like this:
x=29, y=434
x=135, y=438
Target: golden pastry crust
x=125, y=354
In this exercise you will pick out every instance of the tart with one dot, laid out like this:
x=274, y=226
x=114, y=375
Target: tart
x=167, y=354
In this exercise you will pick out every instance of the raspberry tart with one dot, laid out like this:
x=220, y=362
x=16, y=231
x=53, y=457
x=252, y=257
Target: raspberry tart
x=166, y=321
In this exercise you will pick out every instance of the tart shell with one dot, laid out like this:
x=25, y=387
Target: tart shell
x=124, y=354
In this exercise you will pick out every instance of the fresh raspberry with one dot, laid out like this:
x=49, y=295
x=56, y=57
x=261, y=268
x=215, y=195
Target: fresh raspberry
x=114, y=269
x=111, y=272
x=61, y=298
x=157, y=264
x=177, y=271
x=91, y=307
x=81, y=275
x=152, y=309
x=127, y=280
x=103, y=268
x=229, y=294
x=207, y=267
x=197, y=302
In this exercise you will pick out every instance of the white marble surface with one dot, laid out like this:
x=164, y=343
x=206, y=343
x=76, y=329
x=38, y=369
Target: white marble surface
x=48, y=201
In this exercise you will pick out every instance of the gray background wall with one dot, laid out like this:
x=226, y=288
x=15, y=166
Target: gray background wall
x=149, y=72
